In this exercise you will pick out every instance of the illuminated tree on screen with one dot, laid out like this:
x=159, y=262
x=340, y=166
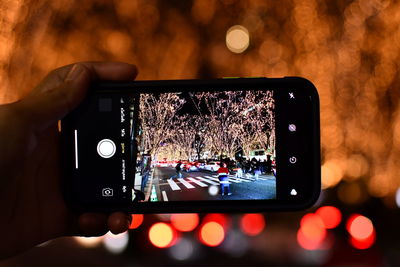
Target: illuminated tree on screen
x=183, y=135
x=156, y=115
x=256, y=129
x=236, y=120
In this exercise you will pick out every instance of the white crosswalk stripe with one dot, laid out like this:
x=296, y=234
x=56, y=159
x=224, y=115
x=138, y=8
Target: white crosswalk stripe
x=188, y=186
x=212, y=178
x=197, y=182
x=164, y=196
x=173, y=185
x=207, y=180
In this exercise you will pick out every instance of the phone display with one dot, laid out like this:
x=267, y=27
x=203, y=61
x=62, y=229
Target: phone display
x=191, y=146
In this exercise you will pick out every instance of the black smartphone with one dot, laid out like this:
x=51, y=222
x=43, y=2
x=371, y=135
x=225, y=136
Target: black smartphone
x=223, y=145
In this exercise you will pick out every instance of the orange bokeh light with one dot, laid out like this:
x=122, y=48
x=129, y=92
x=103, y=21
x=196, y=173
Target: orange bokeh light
x=312, y=227
x=137, y=220
x=307, y=243
x=252, y=224
x=331, y=216
x=212, y=234
x=185, y=222
x=359, y=227
x=217, y=217
x=161, y=235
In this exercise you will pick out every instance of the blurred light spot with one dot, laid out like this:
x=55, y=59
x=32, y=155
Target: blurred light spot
x=212, y=234
x=312, y=228
x=363, y=243
x=359, y=227
x=379, y=185
x=88, y=242
x=331, y=173
x=331, y=216
x=350, y=193
x=235, y=243
x=307, y=243
x=398, y=197
x=161, y=235
x=137, y=220
x=183, y=250
x=237, y=39
x=116, y=243
x=203, y=11
x=185, y=222
x=213, y=190
x=356, y=167
x=217, y=217
x=252, y=224
x=118, y=43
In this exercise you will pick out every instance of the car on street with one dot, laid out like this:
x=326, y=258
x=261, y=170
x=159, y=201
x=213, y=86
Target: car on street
x=212, y=166
x=162, y=163
x=190, y=167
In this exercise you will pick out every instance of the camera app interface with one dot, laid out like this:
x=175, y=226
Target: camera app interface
x=177, y=146
x=217, y=145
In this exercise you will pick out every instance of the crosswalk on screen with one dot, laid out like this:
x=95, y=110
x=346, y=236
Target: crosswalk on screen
x=217, y=145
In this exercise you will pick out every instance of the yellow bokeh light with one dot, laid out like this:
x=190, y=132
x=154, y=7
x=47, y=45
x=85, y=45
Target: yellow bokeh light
x=237, y=39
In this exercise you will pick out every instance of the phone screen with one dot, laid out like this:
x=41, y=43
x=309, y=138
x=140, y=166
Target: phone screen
x=158, y=145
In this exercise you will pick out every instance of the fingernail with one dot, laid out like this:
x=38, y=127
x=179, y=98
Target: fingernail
x=75, y=72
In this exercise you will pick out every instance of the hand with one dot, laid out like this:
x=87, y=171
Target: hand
x=33, y=209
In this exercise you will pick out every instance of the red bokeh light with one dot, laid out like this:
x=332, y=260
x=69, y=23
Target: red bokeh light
x=252, y=224
x=185, y=222
x=359, y=227
x=363, y=243
x=217, y=217
x=211, y=234
x=137, y=220
x=308, y=243
x=331, y=216
x=313, y=227
x=162, y=235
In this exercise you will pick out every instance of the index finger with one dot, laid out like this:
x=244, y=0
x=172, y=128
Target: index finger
x=111, y=71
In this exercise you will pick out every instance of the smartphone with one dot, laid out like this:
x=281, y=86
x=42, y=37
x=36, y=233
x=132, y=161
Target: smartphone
x=223, y=145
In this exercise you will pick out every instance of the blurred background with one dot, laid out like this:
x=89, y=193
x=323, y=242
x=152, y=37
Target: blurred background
x=348, y=49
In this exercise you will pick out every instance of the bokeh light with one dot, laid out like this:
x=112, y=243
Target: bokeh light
x=137, y=220
x=88, y=242
x=161, y=235
x=222, y=219
x=331, y=216
x=359, y=227
x=237, y=39
x=182, y=250
x=116, y=243
x=212, y=234
x=252, y=224
x=363, y=243
x=311, y=232
x=185, y=222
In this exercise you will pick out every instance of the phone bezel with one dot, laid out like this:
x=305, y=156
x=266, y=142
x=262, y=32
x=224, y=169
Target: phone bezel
x=280, y=87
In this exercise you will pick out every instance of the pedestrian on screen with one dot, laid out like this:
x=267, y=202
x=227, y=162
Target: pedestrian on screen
x=223, y=177
x=268, y=164
x=239, y=170
x=178, y=170
x=255, y=168
x=145, y=170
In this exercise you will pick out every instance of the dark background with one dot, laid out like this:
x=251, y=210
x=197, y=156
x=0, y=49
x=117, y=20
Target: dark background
x=348, y=49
